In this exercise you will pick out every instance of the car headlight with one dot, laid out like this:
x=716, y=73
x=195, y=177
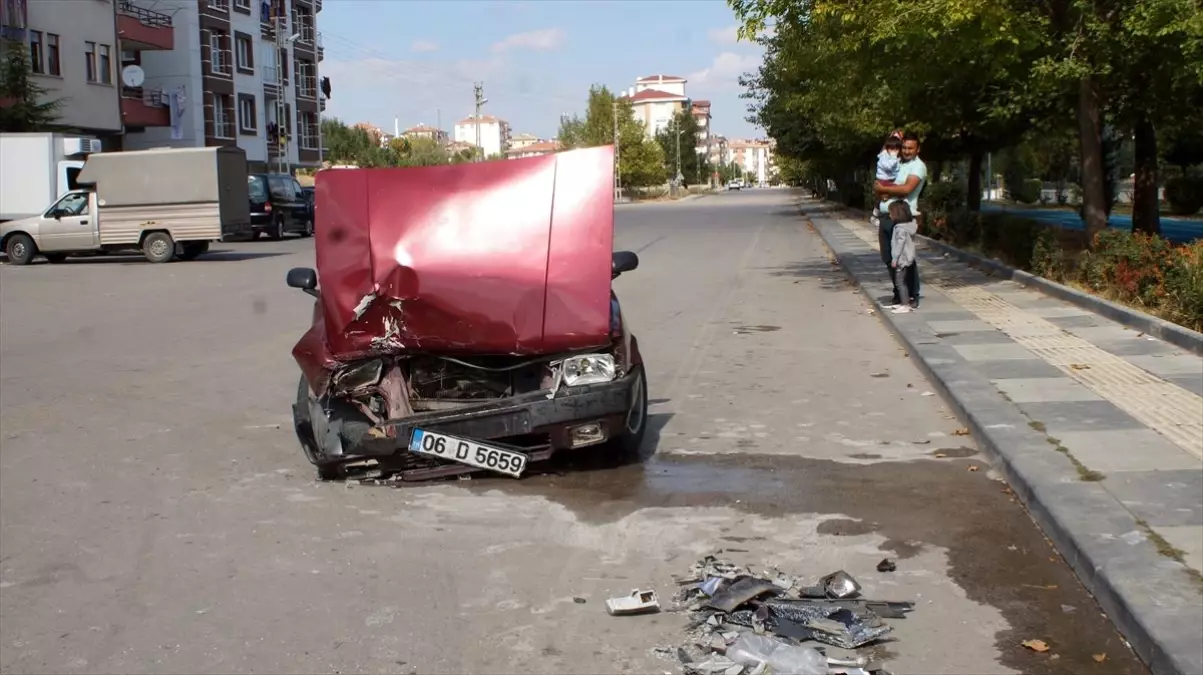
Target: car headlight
x=358, y=376
x=588, y=369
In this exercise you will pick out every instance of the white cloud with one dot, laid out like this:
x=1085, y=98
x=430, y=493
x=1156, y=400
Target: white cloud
x=423, y=46
x=539, y=40
x=724, y=36
x=724, y=71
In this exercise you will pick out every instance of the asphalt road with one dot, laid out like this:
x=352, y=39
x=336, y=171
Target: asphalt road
x=156, y=514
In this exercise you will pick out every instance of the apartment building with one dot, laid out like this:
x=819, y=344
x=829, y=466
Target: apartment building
x=494, y=133
x=426, y=131
x=755, y=157
x=523, y=140
x=701, y=115
x=74, y=57
x=242, y=72
x=539, y=147
x=656, y=99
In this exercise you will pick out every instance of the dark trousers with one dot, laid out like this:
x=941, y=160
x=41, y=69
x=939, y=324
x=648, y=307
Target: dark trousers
x=885, y=235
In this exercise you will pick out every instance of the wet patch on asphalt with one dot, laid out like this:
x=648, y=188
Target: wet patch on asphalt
x=995, y=552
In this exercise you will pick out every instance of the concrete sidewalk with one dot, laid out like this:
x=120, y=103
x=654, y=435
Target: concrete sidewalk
x=1098, y=428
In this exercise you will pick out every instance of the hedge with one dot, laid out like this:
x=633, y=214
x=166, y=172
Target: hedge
x=1142, y=271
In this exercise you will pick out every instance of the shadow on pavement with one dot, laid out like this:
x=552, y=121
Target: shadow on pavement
x=138, y=259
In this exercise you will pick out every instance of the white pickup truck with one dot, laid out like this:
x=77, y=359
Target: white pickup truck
x=166, y=203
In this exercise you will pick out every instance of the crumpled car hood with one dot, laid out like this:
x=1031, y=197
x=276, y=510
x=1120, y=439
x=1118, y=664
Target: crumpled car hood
x=494, y=257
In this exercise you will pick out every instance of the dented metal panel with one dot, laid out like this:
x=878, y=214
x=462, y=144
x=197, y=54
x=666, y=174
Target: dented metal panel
x=493, y=257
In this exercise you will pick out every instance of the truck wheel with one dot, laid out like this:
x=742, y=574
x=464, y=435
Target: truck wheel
x=20, y=249
x=194, y=249
x=158, y=247
x=55, y=257
x=277, y=231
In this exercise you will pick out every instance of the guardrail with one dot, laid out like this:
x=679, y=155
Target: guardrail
x=146, y=17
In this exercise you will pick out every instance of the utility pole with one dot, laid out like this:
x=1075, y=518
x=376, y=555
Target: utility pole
x=677, y=177
x=617, y=164
x=479, y=90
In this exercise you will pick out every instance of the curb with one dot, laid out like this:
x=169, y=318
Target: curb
x=1179, y=336
x=1150, y=598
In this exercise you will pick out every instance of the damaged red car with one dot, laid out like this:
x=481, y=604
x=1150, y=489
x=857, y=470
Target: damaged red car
x=465, y=320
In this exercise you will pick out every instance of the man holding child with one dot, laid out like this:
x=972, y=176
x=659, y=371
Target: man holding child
x=905, y=189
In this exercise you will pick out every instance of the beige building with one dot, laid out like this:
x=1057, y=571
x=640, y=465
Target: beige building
x=755, y=157
x=426, y=131
x=655, y=99
x=75, y=56
x=533, y=149
x=523, y=140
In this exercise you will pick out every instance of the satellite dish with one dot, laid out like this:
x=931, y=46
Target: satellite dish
x=132, y=76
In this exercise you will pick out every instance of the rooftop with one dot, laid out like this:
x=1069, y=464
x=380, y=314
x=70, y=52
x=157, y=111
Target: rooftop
x=661, y=78
x=653, y=95
x=484, y=119
x=422, y=128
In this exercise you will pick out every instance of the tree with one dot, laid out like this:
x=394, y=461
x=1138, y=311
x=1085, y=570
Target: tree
x=352, y=145
x=683, y=123
x=24, y=106
x=640, y=160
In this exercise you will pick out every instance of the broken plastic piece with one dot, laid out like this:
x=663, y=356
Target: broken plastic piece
x=886, y=565
x=638, y=602
x=711, y=585
x=739, y=592
x=754, y=650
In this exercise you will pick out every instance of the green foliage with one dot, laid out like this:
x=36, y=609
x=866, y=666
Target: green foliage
x=640, y=159
x=684, y=124
x=1184, y=194
x=25, y=106
x=353, y=145
x=943, y=197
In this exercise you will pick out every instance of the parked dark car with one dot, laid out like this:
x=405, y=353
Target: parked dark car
x=278, y=206
x=310, y=193
x=450, y=337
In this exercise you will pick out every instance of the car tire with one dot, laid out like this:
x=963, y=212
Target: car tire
x=630, y=441
x=308, y=231
x=158, y=247
x=20, y=249
x=55, y=258
x=277, y=231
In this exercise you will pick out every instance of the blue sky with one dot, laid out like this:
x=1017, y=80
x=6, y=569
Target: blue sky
x=417, y=60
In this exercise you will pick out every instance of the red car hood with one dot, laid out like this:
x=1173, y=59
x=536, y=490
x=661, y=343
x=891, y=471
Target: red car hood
x=494, y=257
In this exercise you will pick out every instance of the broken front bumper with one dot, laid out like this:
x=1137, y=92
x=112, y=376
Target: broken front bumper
x=531, y=423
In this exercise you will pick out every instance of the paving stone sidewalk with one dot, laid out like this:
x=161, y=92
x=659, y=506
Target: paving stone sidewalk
x=1125, y=408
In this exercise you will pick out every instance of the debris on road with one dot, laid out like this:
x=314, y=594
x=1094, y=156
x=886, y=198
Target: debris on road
x=638, y=602
x=752, y=623
x=886, y=565
x=961, y=432
x=1036, y=645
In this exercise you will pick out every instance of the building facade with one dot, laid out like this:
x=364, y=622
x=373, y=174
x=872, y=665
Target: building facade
x=242, y=73
x=656, y=99
x=701, y=115
x=755, y=157
x=494, y=134
x=74, y=56
x=533, y=149
x=426, y=131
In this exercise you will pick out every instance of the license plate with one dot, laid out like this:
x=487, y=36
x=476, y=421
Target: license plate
x=467, y=452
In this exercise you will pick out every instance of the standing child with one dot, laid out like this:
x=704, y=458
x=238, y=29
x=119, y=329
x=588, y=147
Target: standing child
x=902, y=254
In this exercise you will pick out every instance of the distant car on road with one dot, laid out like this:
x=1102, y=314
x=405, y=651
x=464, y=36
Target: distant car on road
x=735, y=185
x=278, y=206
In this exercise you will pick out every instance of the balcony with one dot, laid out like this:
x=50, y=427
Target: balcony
x=321, y=49
x=306, y=86
x=144, y=108
x=139, y=28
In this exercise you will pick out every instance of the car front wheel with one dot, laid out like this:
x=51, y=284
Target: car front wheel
x=630, y=439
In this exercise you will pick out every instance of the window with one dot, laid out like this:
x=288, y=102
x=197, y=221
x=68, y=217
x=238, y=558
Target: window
x=270, y=70
x=222, y=128
x=106, y=64
x=72, y=204
x=36, y=58
x=53, y=66
x=90, y=59
x=219, y=5
x=256, y=187
x=243, y=5
x=248, y=119
x=219, y=55
x=244, y=53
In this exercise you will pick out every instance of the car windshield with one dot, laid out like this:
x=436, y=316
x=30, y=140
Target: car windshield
x=256, y=187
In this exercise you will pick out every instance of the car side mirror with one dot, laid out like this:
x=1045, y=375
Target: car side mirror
x=623, y=261
x=303, y=278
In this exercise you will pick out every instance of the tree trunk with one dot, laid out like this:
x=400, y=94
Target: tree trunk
x=973, y=187
x=1090, y=130
x=1146, y=207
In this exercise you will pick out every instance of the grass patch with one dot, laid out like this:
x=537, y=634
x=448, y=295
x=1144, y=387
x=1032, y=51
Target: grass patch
x=1168, y=550
x=1037, y=425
